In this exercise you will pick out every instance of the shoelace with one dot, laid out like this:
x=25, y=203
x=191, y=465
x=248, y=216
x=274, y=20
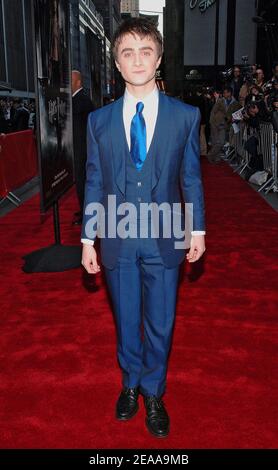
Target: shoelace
x=158, y=402
x=131, y=392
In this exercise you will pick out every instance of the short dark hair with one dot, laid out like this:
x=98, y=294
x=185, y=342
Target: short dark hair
x=228, y=88
x=140, y=26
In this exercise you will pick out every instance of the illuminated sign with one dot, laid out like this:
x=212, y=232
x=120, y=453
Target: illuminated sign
x=203, y=4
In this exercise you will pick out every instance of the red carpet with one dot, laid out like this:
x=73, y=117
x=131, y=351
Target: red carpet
x=59, y=374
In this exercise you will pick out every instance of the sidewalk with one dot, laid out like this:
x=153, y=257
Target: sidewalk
x=24, y=193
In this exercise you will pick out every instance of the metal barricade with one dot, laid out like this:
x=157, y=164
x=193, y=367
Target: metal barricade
x=269, y=151
x=245, y=132
x=267, y=147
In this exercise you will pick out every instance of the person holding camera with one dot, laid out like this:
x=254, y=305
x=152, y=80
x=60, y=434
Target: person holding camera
x=236, y=82
x=220, y=122
x=272, y=104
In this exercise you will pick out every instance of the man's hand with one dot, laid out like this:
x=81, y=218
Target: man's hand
x=197, y=248
x=89, y=259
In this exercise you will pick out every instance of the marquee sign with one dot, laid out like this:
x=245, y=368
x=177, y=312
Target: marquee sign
x=203, y=4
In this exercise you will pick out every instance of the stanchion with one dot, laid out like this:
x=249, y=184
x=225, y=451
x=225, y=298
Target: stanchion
x=56, y=257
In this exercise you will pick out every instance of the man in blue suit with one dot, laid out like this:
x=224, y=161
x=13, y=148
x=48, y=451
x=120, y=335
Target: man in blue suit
x=142, y=149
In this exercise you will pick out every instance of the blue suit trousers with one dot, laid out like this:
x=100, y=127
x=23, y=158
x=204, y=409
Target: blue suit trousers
x=143, y=293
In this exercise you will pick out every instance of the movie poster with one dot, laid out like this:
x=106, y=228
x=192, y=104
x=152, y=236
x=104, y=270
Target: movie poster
x=94, y=48
x=53, y=88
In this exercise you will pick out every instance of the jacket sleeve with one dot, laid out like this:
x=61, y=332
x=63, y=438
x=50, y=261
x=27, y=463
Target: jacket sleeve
x=93, y=186
x=190, y=177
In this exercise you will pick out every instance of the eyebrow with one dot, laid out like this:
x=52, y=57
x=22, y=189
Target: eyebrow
x=141, y=49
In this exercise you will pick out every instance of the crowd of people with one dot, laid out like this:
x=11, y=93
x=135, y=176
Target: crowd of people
x=16, y=115
x=254, y=98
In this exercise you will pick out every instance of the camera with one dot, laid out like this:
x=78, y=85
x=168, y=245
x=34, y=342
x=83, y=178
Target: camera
x=247, y=70
x=226, y=75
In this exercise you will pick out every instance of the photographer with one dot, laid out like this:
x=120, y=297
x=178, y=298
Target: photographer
x=272, y=99
x=244, y=92
x=220, y=122
x=272, y=104
x=260, y=79
x=256, y=96
x=236, y=82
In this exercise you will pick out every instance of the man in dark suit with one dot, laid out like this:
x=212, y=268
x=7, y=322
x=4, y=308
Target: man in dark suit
x=21, y=116
x=141, y=149
x=81, y=107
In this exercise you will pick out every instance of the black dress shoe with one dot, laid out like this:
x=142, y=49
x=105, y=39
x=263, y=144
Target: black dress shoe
x=157, y=420
x=127, y=404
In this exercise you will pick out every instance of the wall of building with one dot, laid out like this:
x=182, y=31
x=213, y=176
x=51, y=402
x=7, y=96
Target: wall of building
x=16, y=50
x=173, y=46
x=217, y=38
x=245, y=31
x=267, y=39
x=111, y=13
x=200, y=32
x=16, y=45
x=89, y=47
x=130, y=7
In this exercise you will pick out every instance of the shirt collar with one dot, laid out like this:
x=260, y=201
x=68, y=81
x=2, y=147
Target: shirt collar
x=229, y=101
x=77, y=91
x=148, y=99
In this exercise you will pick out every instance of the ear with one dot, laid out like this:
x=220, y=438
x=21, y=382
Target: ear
x=118, y=65
x=158, y=62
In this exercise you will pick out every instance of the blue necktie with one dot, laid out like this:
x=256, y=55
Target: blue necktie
x=138, y=145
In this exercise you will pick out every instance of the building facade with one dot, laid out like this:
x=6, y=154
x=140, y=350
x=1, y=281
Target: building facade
x=130, y=8
x=203, y=38
x=217, y=37
x=267, y=43
x=16, y=50
x=110, y=10
x=173, y=27
x=90, y=49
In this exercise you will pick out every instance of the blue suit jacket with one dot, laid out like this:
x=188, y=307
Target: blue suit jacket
x=175, y=153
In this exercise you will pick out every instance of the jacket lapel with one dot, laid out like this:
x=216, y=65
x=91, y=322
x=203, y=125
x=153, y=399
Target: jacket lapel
x=119, y=144
x=159, y=145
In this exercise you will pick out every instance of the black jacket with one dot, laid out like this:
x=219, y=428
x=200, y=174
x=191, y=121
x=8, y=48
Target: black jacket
x=81, y=107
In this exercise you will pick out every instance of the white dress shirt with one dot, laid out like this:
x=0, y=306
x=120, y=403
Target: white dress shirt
x=77, y=91
x=149, y=112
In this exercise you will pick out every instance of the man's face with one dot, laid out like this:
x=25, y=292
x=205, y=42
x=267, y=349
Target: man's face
x=236, y=72
x=137, y=59
x=253, y=111
x=227, y=95
x=75, y=82
x=276, y=71
x=260, y=74
x=254, y=91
